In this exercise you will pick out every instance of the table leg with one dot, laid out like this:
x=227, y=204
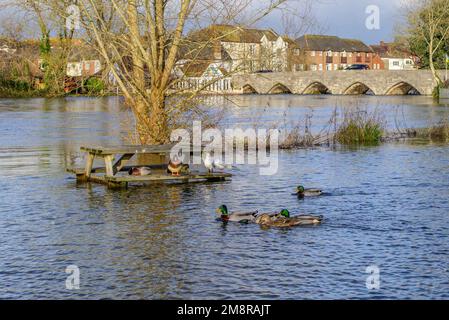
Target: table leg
x=121, y=162
x=89, y=165
x=109, y=166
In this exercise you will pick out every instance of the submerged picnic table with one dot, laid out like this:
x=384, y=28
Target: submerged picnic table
x=116, y=158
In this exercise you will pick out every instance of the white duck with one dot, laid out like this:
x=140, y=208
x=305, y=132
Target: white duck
x=212, y=164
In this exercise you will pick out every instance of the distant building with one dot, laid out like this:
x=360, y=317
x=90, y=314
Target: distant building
x=242, y=50
x=396, y=56
x=330, y=53
x=202, y=76
x=83, y=68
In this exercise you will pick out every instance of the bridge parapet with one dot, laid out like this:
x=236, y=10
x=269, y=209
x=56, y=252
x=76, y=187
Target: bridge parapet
x=379, y=82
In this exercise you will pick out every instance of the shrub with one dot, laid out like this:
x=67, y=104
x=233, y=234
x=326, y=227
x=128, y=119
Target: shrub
x=360, y=127
x=94, y=85
x=440, y=131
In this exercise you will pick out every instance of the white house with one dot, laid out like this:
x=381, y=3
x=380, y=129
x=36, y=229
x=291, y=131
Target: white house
x=399, y=64
x=83, y=68
x=202, y=76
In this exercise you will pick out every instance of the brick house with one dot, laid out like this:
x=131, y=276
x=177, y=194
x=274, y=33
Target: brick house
x=329, y=53
x=396, y=56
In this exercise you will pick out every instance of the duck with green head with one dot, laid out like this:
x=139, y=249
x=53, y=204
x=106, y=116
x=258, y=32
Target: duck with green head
x=243, y=217
x=302, y=192
x=284, y=220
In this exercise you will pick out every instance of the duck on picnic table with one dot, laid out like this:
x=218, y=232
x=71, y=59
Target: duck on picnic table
x=211, y=163
x=242, y=217
x=302, y=192
x=176, y=167
x=139, y=171
x=283, y=220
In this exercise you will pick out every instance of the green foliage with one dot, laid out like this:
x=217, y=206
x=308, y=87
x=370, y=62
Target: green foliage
x=95, y=85
x=360, y=127
x=440, y=132
x=45, y=46
x=420, y=28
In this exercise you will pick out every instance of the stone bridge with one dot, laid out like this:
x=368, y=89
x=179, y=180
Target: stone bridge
x=350, y=82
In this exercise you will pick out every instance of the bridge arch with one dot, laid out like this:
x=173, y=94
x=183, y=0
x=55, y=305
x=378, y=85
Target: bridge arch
x=358, y=88
x=402, y=88
x=279, y=89
x=316, y=88
x=248, y=89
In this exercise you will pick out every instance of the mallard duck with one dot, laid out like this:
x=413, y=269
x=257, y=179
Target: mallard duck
x=176, y=167
x=283, y=220
x=301, y=192
x=139, y=171
x=243, y=217
x=212, y=164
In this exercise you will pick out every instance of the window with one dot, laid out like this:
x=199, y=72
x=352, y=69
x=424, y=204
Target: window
x=296, y=52
x=320, y=67
x=335, y=67
x=329, y=53
x=252, y=49
x=312, y=53
x=321, y=53
x=329, y=59
x=396, y=63
x=299, y=67
x=313, y=67
x=368, y=58
x=329, y=67
x=344, y=60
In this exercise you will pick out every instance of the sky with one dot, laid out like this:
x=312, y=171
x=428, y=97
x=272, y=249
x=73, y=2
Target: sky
x=346, y=18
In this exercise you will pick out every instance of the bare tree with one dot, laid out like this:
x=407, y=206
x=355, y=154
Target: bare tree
x=143, y=57
x=429, y=21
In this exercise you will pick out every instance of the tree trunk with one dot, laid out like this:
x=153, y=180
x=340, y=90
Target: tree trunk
x=432, y=65
x=152, y=124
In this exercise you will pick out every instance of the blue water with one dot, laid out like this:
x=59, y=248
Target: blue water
x=385, y=205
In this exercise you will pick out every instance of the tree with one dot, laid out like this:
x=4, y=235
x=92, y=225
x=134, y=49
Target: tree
x=143, y=57
x=428, y=22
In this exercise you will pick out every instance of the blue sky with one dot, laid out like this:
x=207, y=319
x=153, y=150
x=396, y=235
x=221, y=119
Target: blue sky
x=346, y=18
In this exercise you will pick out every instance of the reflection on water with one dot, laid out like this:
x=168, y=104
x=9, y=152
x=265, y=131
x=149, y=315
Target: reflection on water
x=387, y=206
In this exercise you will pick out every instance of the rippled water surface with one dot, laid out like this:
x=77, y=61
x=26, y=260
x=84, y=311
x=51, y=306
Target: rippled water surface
x=386, y=205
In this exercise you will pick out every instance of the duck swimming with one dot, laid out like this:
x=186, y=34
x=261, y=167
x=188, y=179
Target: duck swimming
x=302, y=192
x=243, y=217
x=139, y=171
x=283, y=220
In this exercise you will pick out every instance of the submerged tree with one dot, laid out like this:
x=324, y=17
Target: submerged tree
x=140, y=44
x=143, y=56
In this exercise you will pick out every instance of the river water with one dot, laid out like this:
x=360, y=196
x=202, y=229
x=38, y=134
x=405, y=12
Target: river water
x=385, y=206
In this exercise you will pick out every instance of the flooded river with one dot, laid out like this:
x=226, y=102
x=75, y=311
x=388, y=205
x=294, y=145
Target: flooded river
x=385, y=206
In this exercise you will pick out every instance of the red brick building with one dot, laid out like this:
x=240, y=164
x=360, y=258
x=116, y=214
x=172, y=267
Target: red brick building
x=330, y=53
